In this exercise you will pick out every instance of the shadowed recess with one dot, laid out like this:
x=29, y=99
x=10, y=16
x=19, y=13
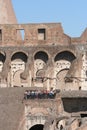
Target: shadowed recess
x=41, y=55
x=65, y=55
x=19, y=55
x=2, y=57
x=37, y=127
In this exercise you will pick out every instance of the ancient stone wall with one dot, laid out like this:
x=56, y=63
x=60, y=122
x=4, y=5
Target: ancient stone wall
x=41, y=55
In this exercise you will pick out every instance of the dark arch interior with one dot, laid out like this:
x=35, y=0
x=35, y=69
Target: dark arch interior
x=19, y=55
x=37, y=127
x=2, y=58
x=41, y=55
x=66, y=55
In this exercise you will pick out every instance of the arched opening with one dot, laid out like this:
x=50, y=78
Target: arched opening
x=2, y=60
x=37, y=127
x=19, y=55
x=40, y=61
x=65, y=55
x=42, y=56
x=62, y=63
x=18, y=62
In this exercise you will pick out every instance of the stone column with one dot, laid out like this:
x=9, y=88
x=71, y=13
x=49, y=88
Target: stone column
x=26, y=75
x=49, y=73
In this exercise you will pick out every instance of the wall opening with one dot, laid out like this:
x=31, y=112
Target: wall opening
x=83, y=115
x=20, y=34
x=2, y=60
x=65, y=55
x=41, y=34
x=19, y=55
x=70, y=105
x=18, y=64
x=40, y=61
x=0, y=35
x=41, y=55
x=37, y=127
x=80, y=88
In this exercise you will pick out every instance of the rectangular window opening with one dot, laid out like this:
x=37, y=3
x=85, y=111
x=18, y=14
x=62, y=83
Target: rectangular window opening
x=20, y=34
x=83, y=115
x=0, y=35
x=41, y=34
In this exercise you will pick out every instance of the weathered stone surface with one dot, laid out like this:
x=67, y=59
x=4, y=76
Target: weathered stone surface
x=7, y=15
x=41, y=57
x=11, y=108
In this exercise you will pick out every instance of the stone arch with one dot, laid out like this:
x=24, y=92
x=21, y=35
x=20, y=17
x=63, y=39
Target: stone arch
x=60, y=77
x=62, y=63
x=73, y=52
x=37, y=127
x=66, y=55
x=2, y=56
x=16, y=77
x=41, y=55
x=19, y=55
x=35, y=119
x=18, y=64
x=40, y=61
x=21, y=51
x=35, y=114
x=61, y=71
x=2, y=59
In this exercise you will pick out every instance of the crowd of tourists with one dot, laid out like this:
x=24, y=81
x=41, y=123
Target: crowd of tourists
x=39, y=94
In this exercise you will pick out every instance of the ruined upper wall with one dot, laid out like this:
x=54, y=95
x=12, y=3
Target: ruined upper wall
x=51, y=33
x=36, y=34
x=7, y=15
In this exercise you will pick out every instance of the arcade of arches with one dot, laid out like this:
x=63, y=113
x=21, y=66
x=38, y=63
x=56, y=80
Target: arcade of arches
x=43, y=72
x=40, y=70
x=42, y=57
x=42, y=62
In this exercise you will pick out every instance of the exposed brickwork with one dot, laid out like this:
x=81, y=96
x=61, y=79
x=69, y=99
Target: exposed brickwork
x=41, y=57
x=54, y=35
x=11, y=108
x=52, y=47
